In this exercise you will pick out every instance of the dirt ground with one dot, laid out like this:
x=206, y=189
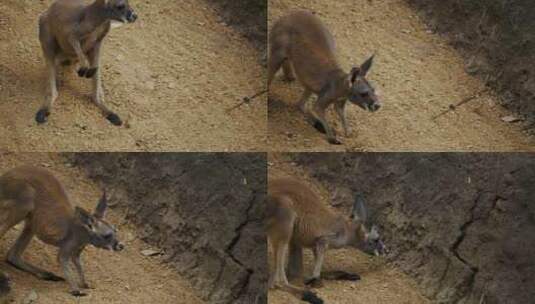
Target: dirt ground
x=171, y=76
x=418, y=74
x=124, y=277
x=380, y=282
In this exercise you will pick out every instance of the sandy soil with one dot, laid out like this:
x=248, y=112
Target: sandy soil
x=171, y=76
x=380, y=282
x=125, y=277
x=419, y=76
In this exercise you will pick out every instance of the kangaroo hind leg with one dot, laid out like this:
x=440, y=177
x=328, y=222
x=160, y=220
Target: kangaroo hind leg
x=14, y=256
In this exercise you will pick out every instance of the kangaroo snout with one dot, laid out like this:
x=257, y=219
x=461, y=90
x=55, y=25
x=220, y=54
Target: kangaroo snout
x=374, y=107
x=131, y=17
x=118, y=246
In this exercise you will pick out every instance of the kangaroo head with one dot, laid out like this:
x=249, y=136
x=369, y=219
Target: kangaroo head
x=101, y=234
x=119, y=10
x=367, y=240
x=361, y=91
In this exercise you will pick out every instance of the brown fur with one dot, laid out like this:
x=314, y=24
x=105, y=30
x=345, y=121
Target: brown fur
x=35, y=196
x=72, y=31
x=297, y=218
x=303, y=46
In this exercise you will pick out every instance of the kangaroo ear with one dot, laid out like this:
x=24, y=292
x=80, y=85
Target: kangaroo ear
x=84, y=217
x=365, y=67
x=102, y=205
x=359, y=212
x=355, y=71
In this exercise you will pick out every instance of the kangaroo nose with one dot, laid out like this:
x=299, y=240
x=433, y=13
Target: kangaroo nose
x=118, y=246
x=374, y=107
x=131, y=16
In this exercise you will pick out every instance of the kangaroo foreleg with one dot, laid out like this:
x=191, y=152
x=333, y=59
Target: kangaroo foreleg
x=319, y=255
x=64, y=258
x=76, y=260
x=98, y=93
x=82, y=59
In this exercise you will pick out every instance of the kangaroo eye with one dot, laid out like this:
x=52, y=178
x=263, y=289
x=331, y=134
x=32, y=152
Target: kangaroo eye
x=108, y=236
x=121, y=7
x=365, y=94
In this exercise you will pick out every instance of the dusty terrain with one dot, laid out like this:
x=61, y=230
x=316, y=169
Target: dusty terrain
x=171, y=76
x=418, y=74
x=380, y=282
x=459, y=224
x=205, y=211
x=125, y=277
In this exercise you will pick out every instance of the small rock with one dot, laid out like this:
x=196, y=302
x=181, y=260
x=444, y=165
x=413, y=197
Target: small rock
x=30, y=298
x=150, y=252
x=510, y=119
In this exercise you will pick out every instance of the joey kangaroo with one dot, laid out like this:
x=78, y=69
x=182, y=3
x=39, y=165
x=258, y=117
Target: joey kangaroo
x=71, y=31
x=303, y=46
x=35, y=196
x=297, y=218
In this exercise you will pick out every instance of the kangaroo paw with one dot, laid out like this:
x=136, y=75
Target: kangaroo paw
x=82, y=71
x=78, y=293
x=311, y=297
x=91, y=72
x=42, y=116
x=318, y=126
x=114, y=119
x=334, y=141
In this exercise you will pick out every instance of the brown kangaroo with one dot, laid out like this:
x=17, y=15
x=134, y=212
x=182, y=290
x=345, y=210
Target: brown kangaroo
x=35, y=196
x=71, y=31
x=296, y=219
x=303, y=46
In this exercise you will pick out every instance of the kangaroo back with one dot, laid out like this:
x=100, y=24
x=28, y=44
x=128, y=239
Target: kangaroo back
x=35, y=194
x=313, y=217
x=305, y=41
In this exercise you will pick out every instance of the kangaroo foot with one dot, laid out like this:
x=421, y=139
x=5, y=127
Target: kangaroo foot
x=87, y=72
x=78, y=293
x=310, y=297
x=114, y=119
x=42, y=116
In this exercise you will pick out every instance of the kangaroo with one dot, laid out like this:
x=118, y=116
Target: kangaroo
x=296, y=219
x=71, y=31
x=35, y=196
x=303, y=46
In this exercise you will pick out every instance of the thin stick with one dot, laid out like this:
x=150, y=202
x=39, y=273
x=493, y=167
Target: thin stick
x=460, y=103
x=246, y=99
